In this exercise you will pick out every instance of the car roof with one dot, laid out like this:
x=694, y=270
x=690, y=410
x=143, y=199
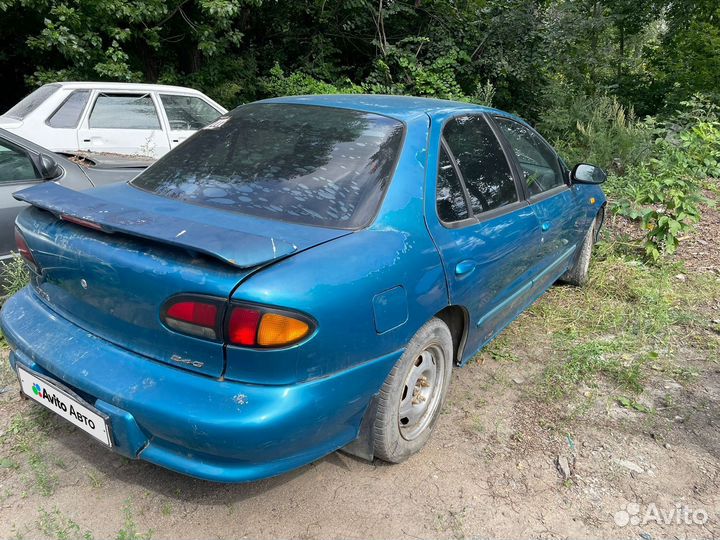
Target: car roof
x=399, y=107
x=126, y=86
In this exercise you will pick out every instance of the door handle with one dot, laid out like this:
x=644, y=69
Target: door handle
x=86, y=140
x=464, y=268
x=545, y=226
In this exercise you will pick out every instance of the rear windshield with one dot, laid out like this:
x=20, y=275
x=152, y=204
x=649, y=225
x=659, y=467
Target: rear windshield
x=300, y=163
x=32, y=101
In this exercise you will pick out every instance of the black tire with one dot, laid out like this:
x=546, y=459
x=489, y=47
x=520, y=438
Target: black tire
x=577, y=274
x=404, y=394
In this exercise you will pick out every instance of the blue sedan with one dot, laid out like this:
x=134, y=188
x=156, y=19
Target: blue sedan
x=298, y=277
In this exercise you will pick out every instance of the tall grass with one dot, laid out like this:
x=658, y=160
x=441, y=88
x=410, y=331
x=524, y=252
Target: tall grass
x=14, y=276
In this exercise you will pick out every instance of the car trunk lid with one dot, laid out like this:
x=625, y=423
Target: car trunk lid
x=109, y=259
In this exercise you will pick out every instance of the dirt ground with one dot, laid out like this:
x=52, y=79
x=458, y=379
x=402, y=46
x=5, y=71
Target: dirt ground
x=503, y=462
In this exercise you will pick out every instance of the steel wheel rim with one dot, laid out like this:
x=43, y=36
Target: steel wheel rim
x=421, y=392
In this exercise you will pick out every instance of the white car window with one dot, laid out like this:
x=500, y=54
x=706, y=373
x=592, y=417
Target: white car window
x=124, y=111
x=68, y=114
x=32, y=101
x=188, y=112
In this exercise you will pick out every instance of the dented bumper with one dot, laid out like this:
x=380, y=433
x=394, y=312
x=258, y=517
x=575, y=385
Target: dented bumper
x=204, y=427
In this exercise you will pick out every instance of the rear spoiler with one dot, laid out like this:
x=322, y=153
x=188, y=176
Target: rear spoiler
x=246, y=251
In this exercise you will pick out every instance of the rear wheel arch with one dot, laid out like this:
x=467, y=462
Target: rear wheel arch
x=457, y=320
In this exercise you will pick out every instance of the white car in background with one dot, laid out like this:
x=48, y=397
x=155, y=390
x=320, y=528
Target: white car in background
x=121, y=118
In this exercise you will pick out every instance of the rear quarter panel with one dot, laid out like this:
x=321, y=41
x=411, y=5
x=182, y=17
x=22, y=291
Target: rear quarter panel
x=369, y=291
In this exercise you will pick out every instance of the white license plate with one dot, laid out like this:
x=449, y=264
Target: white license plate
x=65, y=404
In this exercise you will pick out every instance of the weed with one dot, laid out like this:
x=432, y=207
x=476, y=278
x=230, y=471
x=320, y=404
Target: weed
x=129, y=528
x=45, y=480
x=7, y=463
x=500, y=350
x=96, y=480
x=55, y=525
x=166, y=509
x=629, y=403
x=683, y=374
x=14, y=276
x=22, y=437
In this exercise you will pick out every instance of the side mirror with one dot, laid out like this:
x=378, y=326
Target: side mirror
x=584, y=173
x=49, y=168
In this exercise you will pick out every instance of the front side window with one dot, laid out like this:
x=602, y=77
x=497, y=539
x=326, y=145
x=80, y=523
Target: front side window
x=538, y=161
x=299, y=163
x=32, y=101
x=15, y=164
x=124, y=111
x=68, y=114
x=450, y=199
x=482, y=163
x=187, y=112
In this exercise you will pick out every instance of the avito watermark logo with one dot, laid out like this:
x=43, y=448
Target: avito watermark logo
x=678, y=514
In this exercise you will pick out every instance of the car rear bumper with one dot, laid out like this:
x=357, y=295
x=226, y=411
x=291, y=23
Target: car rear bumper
x=216, y=430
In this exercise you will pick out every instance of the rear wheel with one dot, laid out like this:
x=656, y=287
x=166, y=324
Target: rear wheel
x=410, y=400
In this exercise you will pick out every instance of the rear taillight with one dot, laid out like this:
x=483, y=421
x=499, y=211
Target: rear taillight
x=256, y=326
x=196, y=316
x=245, y=326
x=23, y=248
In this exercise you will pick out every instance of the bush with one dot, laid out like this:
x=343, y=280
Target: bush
x=279, y=84
x=665, y=191
x=597, y=130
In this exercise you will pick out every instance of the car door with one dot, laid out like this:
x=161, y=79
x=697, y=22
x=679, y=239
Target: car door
x=185, y=115
x=123, y=123
x=556, y=204
x=61, y=126
x=485, y=231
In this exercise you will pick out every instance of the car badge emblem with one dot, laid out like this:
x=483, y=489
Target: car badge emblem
x=83, y=283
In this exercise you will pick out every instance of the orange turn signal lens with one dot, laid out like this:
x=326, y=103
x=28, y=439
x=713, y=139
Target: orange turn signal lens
x=277, y=330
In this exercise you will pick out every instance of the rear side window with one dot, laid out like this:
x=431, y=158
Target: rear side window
x=187, y=112
x=451, y=203
x=68, y=114
x=32, y=101
x=124, y=111
x=300, y=163
x=482, y=162
x=538, y=161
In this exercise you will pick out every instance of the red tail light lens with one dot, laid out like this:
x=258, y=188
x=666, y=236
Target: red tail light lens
x=243, y=326
x=246, y=325
x=251, y=326
x=193, y=316
x=23, y=248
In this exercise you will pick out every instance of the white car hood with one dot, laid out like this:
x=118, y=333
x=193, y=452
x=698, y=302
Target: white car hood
x=9, y=123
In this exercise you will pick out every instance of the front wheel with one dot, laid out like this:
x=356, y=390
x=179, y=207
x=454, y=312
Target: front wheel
x=410, y=400
x=577, y=274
